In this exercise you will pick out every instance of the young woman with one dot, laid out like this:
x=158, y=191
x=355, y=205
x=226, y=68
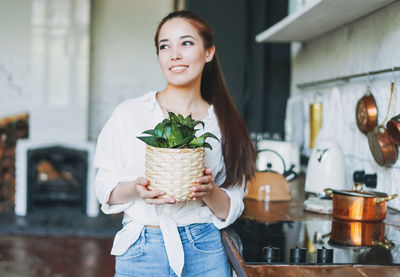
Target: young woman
x=162, y=237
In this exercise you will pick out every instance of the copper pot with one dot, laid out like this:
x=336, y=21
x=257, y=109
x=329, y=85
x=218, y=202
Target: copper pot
x=393, y=129
x=382, y=147
x=356, y=205
x=359, y=233
x=366, y=113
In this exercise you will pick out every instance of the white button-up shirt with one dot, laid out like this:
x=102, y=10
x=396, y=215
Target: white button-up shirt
x=120, y=156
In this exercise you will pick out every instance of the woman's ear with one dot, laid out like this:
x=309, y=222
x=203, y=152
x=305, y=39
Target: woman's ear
x=210, y=53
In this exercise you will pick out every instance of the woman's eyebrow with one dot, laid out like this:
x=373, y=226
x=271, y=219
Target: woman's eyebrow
x=187, y=36
x=181, y=37
x=163, y=40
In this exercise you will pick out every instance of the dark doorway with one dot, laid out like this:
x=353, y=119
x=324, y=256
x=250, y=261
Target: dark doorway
x=257, y=74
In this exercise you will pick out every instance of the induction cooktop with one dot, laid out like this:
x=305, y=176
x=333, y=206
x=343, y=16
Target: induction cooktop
x=316, y=242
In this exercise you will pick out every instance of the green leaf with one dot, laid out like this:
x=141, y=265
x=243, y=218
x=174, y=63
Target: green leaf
x=197, y=123
x=149, y=132
x=158, y=131
x=173, y=117
x=199, y=141
x=177, y=135
x=181, y=118
x=188, y=121
x=186, y=131
x=167, y=132
x=183, y=142
x=161, y=142
x=149, y=141
x=207, y=145
x=166, y=121
x=209, y=135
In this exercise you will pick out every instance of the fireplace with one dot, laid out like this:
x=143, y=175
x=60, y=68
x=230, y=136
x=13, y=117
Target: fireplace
x=55, y=173
x=57, y=176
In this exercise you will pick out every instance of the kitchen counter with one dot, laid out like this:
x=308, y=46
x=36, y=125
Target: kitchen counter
x=294, y=211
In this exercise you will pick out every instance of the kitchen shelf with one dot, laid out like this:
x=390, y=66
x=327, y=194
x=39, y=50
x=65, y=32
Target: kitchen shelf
x=318, y=17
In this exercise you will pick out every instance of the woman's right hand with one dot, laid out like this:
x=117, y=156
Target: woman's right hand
x=151, y=196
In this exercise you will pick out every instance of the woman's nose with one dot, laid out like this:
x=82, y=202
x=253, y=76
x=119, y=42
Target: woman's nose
x=175, y=54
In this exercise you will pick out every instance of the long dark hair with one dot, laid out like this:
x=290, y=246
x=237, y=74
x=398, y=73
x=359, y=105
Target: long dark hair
x=237, y=148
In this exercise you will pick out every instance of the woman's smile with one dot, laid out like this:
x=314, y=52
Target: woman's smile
x=178, y=68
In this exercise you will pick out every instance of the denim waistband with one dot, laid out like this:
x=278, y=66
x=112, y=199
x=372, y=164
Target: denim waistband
x=187, y=233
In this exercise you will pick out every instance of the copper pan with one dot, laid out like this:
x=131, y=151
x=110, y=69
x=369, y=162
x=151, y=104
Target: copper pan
x=366, y=113
x=356, y=205
x=393, y=129
x=382, y=147
x=381, y=143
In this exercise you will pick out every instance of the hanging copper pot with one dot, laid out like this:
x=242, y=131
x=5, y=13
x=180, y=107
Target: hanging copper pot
x=393, y=129
x=366, y=113
x=357, y=205
x=380, y=142
x=382, y=147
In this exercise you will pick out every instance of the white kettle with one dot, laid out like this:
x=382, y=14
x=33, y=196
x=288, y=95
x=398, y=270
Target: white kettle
x=325, y=168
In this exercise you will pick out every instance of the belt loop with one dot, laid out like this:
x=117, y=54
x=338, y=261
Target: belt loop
x=188, y=233
x=143, y=236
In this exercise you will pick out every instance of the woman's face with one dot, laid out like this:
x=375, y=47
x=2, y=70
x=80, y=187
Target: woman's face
x=181, y=53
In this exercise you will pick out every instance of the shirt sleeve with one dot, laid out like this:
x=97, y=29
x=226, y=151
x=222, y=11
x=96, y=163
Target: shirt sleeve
x=109, y=163
x=236, y=195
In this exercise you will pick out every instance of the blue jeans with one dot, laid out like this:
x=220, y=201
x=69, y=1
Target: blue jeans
x=202, y=245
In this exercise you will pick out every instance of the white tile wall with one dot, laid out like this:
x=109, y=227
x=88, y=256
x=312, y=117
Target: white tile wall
x=366, y=45
x=15, y=17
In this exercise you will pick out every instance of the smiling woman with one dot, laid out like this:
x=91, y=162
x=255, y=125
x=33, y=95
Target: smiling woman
x=182, y=236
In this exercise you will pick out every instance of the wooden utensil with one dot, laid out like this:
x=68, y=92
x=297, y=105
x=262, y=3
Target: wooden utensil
x=366, y=113
x=380, y=143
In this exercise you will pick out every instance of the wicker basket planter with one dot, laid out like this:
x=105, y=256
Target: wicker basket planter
x=174, y=170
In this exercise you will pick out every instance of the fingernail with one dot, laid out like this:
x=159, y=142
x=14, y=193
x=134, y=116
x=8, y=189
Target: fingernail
x=172, y=201
x=161, y=192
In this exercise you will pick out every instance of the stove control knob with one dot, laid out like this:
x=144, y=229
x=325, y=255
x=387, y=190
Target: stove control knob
x=324, y=256
x=298, y=255
x=271, y=254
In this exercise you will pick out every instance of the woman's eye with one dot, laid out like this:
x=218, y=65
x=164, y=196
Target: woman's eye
x=163, y=46
x=187, y=43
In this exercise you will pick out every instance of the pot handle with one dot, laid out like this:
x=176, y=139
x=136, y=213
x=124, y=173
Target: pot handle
x=388, y=244
x=379, y=200
x=358, y=187
x=328, y=192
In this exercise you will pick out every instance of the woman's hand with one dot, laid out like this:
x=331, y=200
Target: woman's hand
x=150, y=196
x=204, y=185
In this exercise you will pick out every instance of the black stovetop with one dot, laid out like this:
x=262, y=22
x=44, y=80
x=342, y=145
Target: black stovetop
x=312, y=238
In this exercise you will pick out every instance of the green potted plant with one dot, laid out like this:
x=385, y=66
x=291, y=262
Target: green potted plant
x=174, y=155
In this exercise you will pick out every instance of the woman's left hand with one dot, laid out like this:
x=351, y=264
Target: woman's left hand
x=204, y=185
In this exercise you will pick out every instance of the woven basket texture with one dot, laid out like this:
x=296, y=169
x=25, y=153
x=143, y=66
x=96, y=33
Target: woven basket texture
x=174, y=170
